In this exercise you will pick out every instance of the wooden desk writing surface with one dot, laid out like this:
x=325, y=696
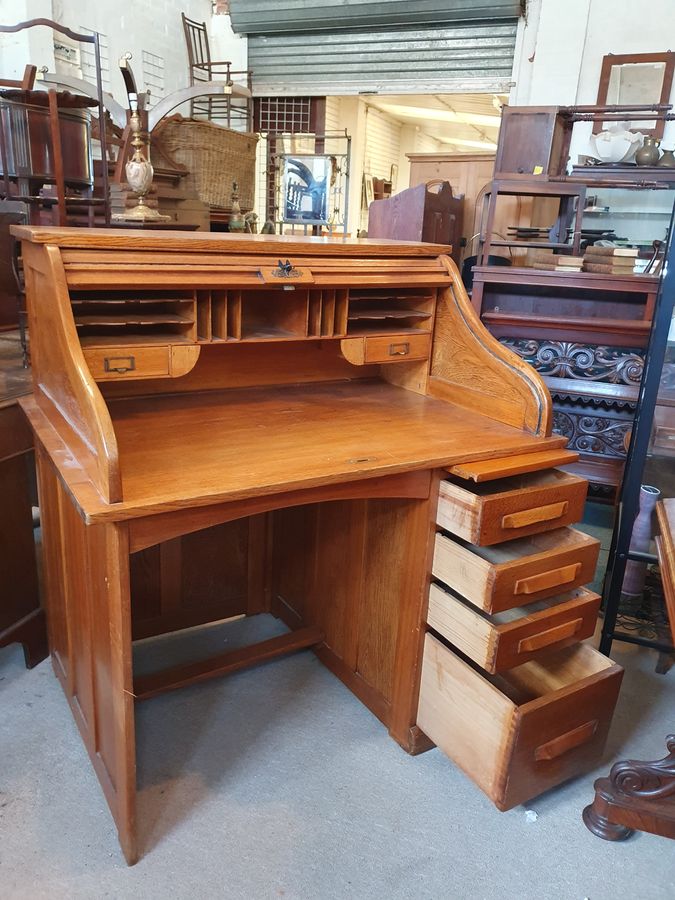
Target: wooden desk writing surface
x=266, y=440
x=236, y=425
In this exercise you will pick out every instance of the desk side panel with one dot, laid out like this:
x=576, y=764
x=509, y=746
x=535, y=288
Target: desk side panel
x=87, y=602
x=471, y=368
x=64, y=387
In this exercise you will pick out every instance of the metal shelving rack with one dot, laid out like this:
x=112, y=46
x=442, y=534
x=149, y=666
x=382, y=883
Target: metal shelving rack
x=638, y=449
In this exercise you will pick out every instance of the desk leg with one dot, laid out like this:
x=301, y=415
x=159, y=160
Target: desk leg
x=88, y=612
x=416, y=563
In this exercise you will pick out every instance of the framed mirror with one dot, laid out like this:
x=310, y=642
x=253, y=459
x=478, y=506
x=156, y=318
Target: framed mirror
x=637, y=79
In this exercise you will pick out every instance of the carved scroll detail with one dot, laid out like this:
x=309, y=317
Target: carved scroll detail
x=646, y=779
x=601, y=435
x=586, y=362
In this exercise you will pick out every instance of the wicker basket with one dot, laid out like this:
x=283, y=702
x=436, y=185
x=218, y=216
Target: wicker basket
x=214, y=157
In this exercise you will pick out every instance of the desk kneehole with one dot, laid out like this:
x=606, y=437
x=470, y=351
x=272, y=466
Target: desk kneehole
x=518, y=734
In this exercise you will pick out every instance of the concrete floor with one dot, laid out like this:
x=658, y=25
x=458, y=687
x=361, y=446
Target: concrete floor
x=277, y=782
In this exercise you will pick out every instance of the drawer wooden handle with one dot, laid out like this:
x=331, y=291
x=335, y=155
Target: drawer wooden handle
x=119, y=364
x=402, y=349
x=566, y=742
x=545, y=580
x=550, y=636
x=532, y=516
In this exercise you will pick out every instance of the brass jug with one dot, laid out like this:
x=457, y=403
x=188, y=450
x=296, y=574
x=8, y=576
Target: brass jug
x=648, y=154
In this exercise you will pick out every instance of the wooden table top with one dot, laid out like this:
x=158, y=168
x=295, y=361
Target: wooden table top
x=193, y=450
x=222, y=242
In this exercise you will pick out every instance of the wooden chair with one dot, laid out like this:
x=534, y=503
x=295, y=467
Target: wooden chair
x=227, y=109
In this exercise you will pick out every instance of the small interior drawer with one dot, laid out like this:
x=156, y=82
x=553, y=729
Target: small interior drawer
x=493, y=511
x=113, y=363
x=516, y=572
x=521, y=733
x=131, y=361
x=388, y=348
x=394, y=348
x=508, y=639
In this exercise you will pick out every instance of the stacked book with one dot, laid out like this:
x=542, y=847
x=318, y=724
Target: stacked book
x=610, y=260
x=550, y=261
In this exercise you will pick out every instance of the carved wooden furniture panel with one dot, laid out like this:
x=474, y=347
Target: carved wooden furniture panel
x=586, y=336
x=230, y=425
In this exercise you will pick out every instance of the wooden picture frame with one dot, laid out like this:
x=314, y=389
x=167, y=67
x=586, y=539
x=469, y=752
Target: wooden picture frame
x=624, y=59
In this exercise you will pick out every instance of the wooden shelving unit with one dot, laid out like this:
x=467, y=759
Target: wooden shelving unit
x=586, y=334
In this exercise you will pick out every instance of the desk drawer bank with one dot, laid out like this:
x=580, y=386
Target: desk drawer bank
x=324, y=433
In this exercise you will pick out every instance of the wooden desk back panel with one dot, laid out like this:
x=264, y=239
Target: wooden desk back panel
x=192, y=579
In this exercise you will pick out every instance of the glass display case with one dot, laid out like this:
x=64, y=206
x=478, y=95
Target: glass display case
x=634, y=216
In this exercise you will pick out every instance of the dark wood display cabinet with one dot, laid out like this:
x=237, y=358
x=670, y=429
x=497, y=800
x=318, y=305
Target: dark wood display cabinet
x=586, y=335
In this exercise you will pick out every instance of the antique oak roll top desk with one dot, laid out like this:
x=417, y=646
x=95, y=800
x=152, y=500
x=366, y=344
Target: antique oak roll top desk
x=323, y=431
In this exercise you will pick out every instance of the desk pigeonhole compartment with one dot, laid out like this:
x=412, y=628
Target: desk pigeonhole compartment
x=521, y=733
x=489, y=512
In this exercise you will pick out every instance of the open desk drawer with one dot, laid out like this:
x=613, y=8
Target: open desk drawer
x=493, y=511
x=518, y=734
x=508, y=639
x=516, y=572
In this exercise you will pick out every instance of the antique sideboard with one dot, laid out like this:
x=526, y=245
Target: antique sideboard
x=322, y=431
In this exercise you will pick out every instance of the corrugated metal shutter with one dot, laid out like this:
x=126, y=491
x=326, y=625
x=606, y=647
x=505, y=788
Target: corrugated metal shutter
x=461, y=57
x=287, y=16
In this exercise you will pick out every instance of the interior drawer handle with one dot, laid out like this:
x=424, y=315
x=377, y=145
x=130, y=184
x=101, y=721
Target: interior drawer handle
x=545, y=580
x=538, y=514
x=119, y=364
x=566, y=742
x=402, y=349
x=550, y=636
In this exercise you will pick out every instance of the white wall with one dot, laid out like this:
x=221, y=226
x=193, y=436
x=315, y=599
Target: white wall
x=151, y=25
x=561, y=46
x=225, y=44
x=17, y=50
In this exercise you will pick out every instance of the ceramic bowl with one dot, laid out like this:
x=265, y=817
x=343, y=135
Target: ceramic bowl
x=615, y=146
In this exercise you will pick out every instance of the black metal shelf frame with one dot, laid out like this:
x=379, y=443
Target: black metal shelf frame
x=629, y=495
